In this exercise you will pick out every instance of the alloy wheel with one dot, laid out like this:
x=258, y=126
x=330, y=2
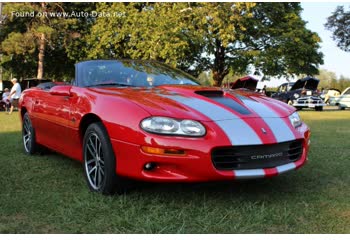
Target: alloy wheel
x=27, y=134
x=94, y=161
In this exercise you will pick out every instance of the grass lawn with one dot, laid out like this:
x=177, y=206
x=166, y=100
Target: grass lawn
x=48, y=193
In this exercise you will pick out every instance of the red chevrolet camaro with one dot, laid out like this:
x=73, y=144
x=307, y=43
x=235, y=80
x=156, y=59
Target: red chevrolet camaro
x=146, y=121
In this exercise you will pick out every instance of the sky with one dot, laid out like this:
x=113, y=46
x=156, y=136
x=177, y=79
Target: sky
x=316, y=13
x=335, y=59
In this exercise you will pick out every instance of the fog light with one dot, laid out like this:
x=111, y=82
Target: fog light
x=149, y=166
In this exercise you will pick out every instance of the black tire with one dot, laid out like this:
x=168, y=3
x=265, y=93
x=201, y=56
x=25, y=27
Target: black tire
x=319, y=108
x=28, y=136
x=100, y=161
x=341, y=108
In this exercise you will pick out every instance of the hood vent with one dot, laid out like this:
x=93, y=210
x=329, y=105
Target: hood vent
x=210, y=94
x=218, y=96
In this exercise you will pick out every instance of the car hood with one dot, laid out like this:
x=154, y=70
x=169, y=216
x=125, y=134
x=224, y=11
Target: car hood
x=200, y=103
x=247, y=82
x=307, y=83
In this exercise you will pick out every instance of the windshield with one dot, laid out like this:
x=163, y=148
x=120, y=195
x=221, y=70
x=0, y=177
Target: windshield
x=129, y=73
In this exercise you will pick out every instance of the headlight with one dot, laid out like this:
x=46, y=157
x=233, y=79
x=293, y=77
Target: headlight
x=165, y=125
x=296, y=95
x=295, y=120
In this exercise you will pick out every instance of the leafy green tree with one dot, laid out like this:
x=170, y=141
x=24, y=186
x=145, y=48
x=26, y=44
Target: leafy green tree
x=269, y=38
x=33, y=30
x=339, y=24
x=157, y=31
x=343, y=83
x=206, y=78
x=326, y=78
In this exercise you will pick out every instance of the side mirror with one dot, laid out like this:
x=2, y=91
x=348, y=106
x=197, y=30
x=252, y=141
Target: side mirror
x=63, y=90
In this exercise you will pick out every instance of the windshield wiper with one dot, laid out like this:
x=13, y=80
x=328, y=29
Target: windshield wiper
x=111, y=84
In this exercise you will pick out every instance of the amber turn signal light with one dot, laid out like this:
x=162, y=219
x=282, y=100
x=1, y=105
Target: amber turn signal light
x=162, y=151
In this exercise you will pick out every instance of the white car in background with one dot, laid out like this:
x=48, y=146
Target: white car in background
x=328, y=93
x=342, y=101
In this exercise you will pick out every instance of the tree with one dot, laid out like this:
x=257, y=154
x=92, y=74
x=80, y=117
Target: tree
x=326, y=78
x=339, y=24
x=38, y=31
x=268, y=38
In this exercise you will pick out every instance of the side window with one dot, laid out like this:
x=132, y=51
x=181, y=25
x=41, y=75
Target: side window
x=347, y=92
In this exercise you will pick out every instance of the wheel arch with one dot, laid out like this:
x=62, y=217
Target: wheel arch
x=23, y=111
x=85, y=122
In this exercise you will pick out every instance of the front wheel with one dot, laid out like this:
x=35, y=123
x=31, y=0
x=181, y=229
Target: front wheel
x=320, y=108
x=100, y=161
x=28, y=135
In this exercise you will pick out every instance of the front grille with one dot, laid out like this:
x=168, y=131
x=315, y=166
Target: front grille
x=256, y=156
x=309, y=100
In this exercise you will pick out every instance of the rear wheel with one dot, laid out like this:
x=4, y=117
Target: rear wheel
x=28, y=135
x=320, y=108
x=100, y=161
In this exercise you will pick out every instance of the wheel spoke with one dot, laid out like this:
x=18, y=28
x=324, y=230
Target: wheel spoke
x=95, y=177
x=26, y=140
x=91, y=170
x=102, y=163
x=99, y=176
x=102, y=171
x=26, y=130
x=90, y=161
x=93, y=150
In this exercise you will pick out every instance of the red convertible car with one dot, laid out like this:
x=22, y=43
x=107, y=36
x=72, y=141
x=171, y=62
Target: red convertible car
x=143, y=120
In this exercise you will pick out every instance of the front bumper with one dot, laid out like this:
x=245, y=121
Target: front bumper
x=195, y=166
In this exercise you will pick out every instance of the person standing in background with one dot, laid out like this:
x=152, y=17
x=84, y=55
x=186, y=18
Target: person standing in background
x=15, y=94
x=5, y=99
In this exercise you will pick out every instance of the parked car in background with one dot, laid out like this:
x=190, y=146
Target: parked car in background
x=246, y=82
x=342, y=101
x=327, y=93
x=32, y=82
x=301, y=94
x=146, y=121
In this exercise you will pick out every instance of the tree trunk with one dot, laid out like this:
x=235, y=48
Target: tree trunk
x=42, y=43
x=41, y=56
x=219, y=69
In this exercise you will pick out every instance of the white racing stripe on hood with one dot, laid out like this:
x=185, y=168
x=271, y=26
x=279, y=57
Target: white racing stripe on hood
x=239, y=132
x=279, y=128
x=209, y=109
